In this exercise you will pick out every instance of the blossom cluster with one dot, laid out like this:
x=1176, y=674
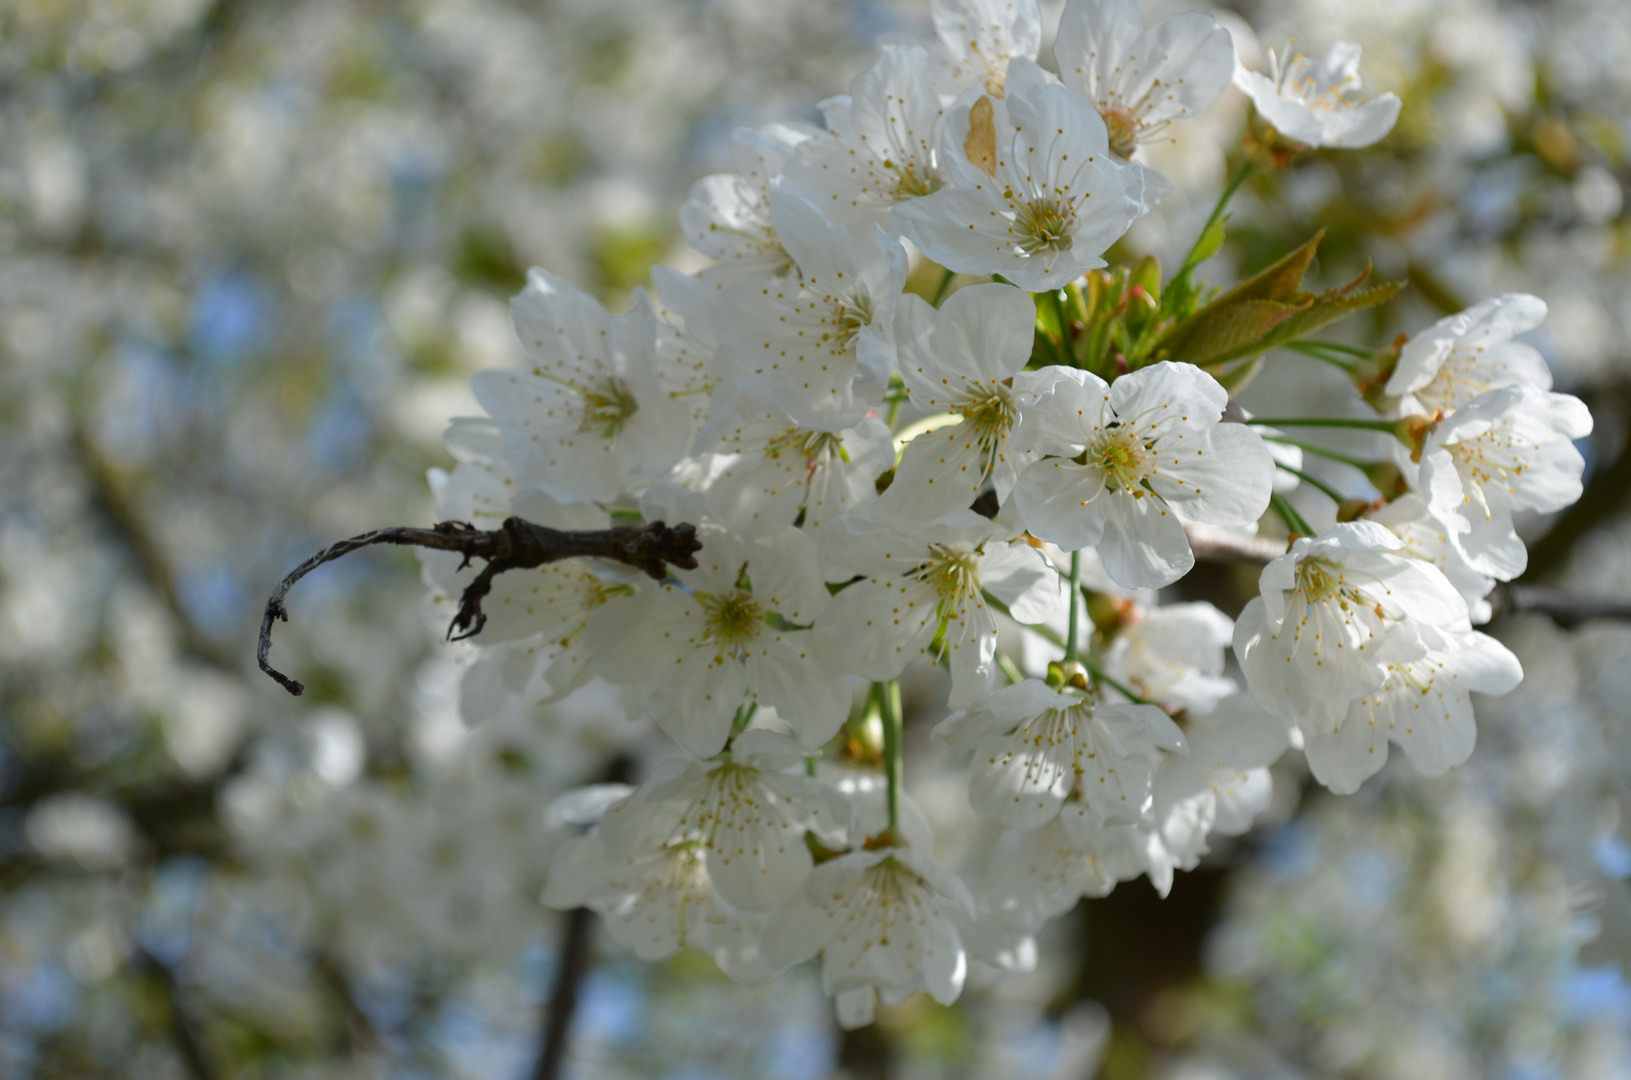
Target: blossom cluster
x=994, y=482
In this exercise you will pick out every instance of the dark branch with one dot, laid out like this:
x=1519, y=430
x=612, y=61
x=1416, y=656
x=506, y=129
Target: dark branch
x=1565, y=609
x=516, y=545
x=181, y=1028
x=572, y=965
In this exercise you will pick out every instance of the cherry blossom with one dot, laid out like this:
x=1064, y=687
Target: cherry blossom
x=705, y=642
x=1032, y=192
x=1334, y=613
x=819, y=347
x=1130, y=463
x=1463, y=355
x=1316, y=102
x=967, y=359
x=1141, y=80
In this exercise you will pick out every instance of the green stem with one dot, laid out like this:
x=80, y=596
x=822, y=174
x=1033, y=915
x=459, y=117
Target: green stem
x=893, y=765
x=1190, y=261
x=1072, y=639
x=896, y=397
x=1288, y=514
x=1357, y=351
x=1334, y=361
x=1124, y=691
x=1009, y=668
x=943, y=288
x=1048, y=634
x=1387, y=426
x=1319, y=485
x=1315, y=448
x=1057, y=296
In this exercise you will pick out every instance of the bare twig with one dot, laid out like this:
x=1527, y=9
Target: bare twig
x=181, y=1030
x=1565, y=609
x=518, y=544
x=572, y=964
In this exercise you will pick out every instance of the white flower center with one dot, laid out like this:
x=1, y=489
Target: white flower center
x=1125, y=460
x=1043, y=223
x=817, y=448
x=991, y=413
x=731, y=620
x=607, y=407
x=1123, y=127
x=954, y=573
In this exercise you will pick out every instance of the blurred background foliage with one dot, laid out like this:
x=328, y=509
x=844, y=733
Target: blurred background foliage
x=252, y=252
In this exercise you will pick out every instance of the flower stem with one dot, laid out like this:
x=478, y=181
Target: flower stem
x=1072, y=638
x=1306, y=350
x=1386, y=426
x=1191, y=260
x=1009, y=668
x=1288, y=514
x=893, y=764
x=1315, y=448
x=1319, y=485
x=1123, y=690
x=1358, y=352
x=1066, y=354
x=943, y=288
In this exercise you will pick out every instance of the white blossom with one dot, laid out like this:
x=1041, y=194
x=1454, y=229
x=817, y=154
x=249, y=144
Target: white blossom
x=1426, y=537
x=1173, y=655
x=819, y=346
x=1334, y=612
x=882, y=919
x=769, y=472
x=925, y=592
x=746, y=814
x=880, y=145
x=1223, y=783
x=1032, y=191
x=978, y=39
x=727, y=216
x=1039, y=874
x=1132, y=462
x=1505, y=450
x=1141, y=80
x=1463, y=355
x=1316, y=102
x=704, y=643
x=1033, y=747
x=590, y=412
x=657, y=905
x=967, y=359
x=1425, y=706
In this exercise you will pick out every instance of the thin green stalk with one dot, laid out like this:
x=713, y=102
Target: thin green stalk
x=1009, y=668
x=1072, y=639
x=1357, y=351
x=1335, y=361
x=893, y=765
x=1319, y=485
x=1288, y=514
x=1324, y=421
x=1315, y=448
x=1125, y=691
x=943, y=288
x=1190, y=260
x=1050, y=635
x=1057, y=297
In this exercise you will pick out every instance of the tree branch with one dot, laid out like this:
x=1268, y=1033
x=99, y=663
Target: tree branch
x=181, y=1030
x=1565, y=609
x=572, y=965
x=518, y=544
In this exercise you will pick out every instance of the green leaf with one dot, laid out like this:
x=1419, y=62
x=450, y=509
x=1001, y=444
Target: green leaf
x=1219, y=333
x=1208, y=244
